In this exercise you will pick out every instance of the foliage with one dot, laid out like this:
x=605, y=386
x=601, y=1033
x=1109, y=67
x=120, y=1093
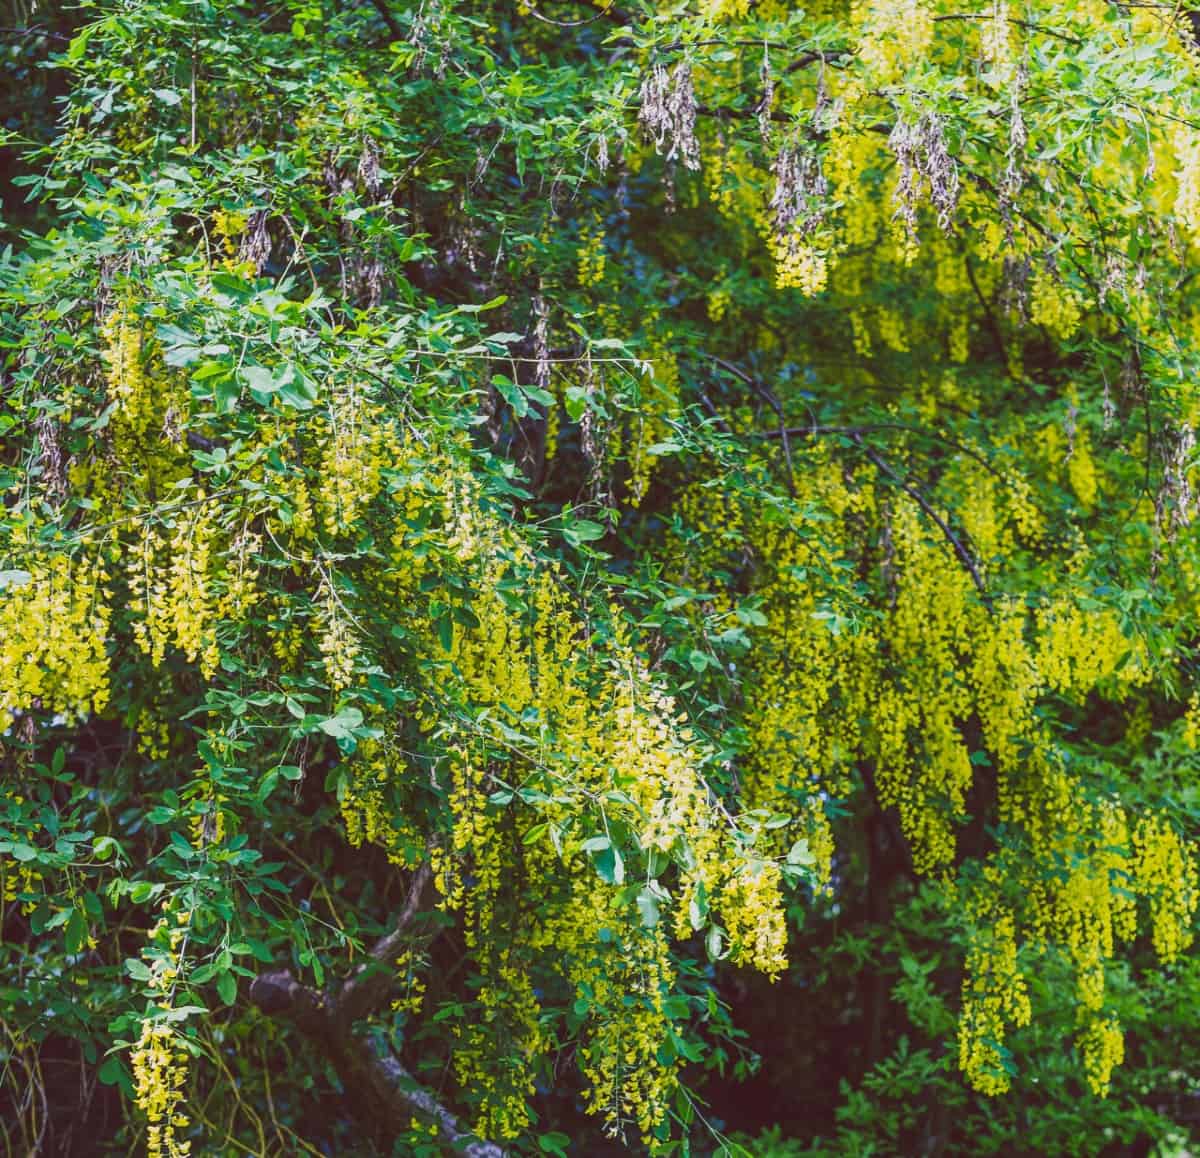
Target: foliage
x=547, y=555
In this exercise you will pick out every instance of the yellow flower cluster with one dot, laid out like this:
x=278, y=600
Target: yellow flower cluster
x=1165, y=870
x=802, y=718
x=1082, y=473
x=756, y=925
x=822, y=703
x=995, y=995
x=495, y=1052
x=227, y=228
x=1191, y=722
x=128, y=384
x=171, y=589
x=627, y=1083
x=357, y=445
x=53, y=629
x=336, y=639
x=169, y=932
x=591, y=256
x=850, y=157
x=412, y=985
x=893, y=330
x=17, y=877
x=148, y=404
x=370, y=808
x=996, y=39
x=726, y=10
x=719, y=301
x=1187, y=177
x=1080, y=648
x=935, y=612
x=208, y=822
x=622, y=973
x=891, y=36
x=1055, y=306
x=1083, y=921
x=798, y=265
x=658, y=401
x=1102, y=1047
x=240, y=578
x=160, y=1069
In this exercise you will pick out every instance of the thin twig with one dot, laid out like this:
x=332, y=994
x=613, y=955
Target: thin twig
x=874, y=427
x=768, y=394
x=963, y=554
x=369, y=982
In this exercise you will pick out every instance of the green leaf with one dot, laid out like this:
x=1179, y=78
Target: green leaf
x=512, y=394
x=554, y=1143
x=579, y=531
x=800, y=854
x=648, y=908
x=227, y=988
x=112, y=1072
x=698, y=906
x=610, y=866
x=343, y=725
x=76, y=931
x=713, y=942
x=479, y=309
x=79, y=42
x=297, y=389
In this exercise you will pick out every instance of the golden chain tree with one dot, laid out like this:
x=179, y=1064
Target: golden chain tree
x=519, y=519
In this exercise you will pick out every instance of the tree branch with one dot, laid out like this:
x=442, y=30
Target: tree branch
x=384, y=1091
x=769, y=396
x=820, y=431
x=963, y=554
x=386, y=15
x=366, y=987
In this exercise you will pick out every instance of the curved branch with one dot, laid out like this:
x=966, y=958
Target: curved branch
x=384, y=1091
x=965, y=556
x=389, y=18
x=369, y=983
x=821, y=430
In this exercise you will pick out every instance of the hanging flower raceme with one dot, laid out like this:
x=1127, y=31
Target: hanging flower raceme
x=160, y=1069
x=54, y=622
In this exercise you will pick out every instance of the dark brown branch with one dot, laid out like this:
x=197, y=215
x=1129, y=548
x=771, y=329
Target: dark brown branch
x=33, y=30
x=963, y=554
x=386, y=15
x=199, y=442
x=766, y=393
x=819, y=431
x=1028, y=25
x=364, y=990
x=714, y=413
x=805, y=59
x=604, y=13
x=723, y=111
x=993, y=324
x=384, y=1092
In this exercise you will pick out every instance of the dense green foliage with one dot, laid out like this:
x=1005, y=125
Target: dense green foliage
x=599, y=577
